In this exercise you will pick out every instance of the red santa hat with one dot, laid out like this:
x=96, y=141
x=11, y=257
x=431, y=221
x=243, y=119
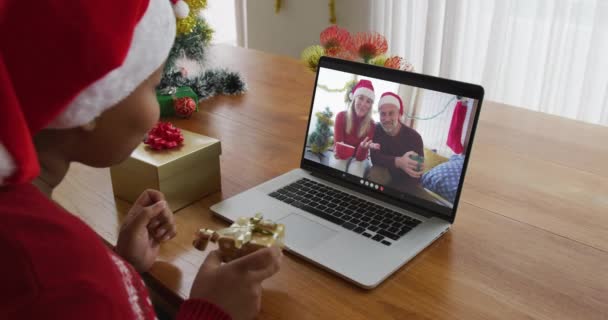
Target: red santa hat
x=62, y=65
x=363, y=87
x=391, y=98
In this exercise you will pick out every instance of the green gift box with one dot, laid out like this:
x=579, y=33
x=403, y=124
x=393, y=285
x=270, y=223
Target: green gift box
x=166, y=97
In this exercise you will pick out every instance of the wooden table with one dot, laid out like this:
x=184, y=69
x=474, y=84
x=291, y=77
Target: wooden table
x=530, y=238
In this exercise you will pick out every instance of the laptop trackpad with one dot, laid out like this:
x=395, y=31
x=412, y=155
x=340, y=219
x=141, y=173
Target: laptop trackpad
x=303, y=233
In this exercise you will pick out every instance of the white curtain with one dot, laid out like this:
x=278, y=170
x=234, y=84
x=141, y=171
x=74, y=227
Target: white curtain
x=545, y=55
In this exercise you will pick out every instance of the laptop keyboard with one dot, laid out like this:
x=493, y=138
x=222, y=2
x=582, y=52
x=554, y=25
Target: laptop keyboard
x=360, y=216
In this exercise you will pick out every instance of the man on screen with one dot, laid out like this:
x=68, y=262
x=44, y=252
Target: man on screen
x=401, y=147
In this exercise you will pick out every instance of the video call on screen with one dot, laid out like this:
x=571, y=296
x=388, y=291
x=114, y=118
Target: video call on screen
x=394, y=138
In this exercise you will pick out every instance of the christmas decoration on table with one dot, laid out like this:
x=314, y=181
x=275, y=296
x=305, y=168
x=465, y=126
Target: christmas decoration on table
x=243, y=237
x=163, y=136
x=180, y=101
x=367, y=47
x=322, y=138
x=185, y=64
x=184, y=107
x=209, y=84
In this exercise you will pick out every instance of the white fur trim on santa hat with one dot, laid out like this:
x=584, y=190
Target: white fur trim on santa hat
x=364, y=91
x=7, y=164
x=389, y=99
x=152, y=41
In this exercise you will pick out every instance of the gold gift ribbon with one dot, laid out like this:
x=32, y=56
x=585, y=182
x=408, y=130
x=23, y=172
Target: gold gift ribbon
x=245, y=227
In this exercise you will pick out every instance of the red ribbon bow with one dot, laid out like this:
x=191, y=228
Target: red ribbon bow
x=164, y=135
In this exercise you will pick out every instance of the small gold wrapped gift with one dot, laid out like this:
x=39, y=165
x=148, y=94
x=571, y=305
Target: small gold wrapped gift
x=244, y=236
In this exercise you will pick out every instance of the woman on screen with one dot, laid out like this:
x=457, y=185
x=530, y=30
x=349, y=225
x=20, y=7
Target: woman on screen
x=354, y=131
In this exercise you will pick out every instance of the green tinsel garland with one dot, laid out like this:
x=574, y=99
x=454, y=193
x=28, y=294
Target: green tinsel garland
x=191, y=45
x=211, y=83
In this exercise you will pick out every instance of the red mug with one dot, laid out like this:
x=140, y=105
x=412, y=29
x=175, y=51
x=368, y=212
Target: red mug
x=344, y=151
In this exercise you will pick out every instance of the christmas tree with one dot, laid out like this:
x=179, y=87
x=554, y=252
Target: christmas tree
x=185, y=64
x=322, y=138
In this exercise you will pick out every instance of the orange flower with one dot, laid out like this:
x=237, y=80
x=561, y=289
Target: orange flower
x=394, y=62
x=335, y=40
x=368, y=45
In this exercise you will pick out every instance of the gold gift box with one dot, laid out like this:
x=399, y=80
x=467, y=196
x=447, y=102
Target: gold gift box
x=184, y=174
x=243, y=237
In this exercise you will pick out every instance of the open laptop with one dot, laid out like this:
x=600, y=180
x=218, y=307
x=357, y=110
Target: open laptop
x=364, y=225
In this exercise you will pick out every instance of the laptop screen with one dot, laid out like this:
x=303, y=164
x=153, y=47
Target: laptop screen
x=393, y=134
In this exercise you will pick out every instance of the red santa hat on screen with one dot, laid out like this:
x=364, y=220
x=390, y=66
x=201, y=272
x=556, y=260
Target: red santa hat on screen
x=62, y=65
x=391, y=98
x=363, y=87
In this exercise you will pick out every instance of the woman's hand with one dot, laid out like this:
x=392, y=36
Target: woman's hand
x=236, y=286
x=366, y=143
x=148, y=223
x=374, y=146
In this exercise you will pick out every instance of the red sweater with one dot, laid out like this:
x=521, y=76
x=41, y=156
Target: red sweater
x=55, y=267
x=352, y=139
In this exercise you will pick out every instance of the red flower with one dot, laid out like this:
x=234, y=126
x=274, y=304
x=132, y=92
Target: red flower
x=346, y=55
x=368, y=45
x=335, y=40
x=164, y=136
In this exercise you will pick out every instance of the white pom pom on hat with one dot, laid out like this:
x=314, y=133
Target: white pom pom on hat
x=181, y=9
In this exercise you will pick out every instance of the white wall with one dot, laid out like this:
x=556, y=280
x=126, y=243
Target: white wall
x=220, y=15
x=298, y=23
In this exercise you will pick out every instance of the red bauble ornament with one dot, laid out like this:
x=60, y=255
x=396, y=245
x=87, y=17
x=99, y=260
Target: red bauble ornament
x=164, y=135
x=184, y=107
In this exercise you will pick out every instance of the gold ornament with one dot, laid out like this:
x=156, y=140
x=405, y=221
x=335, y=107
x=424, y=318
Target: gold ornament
x=332, y=11
x=196, y=5
x=277, y=6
